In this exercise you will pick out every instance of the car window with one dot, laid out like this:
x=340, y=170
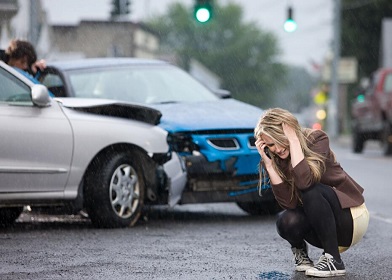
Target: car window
x=140, y=84
x=54, y=84
x=388, y=83
x=13, y=91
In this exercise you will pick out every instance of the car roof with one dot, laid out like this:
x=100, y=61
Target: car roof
x=103, y=62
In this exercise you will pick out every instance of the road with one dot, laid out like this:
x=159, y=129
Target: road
x=212, y=241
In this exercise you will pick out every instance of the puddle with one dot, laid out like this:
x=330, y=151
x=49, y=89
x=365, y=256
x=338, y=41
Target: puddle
x=273, y=275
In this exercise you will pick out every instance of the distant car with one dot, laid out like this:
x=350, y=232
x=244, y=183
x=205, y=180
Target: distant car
x=211, y=132
x=109, y=155
x=371, y=112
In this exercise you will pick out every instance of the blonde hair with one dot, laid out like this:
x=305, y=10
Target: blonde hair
x=270, y=124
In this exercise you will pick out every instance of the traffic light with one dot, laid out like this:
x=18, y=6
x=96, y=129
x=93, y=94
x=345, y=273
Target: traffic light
x=120, y=7
x=290, y=25
x=203, y=10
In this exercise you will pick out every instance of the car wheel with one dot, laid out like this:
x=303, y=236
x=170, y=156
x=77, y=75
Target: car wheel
x=358, y=141
x=114, y=190
x=9, y=215
x=386, y=138
x=260, y=208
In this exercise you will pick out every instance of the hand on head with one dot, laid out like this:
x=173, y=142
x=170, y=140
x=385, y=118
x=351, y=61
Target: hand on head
x=38, y=65
x=260, y=145
x=289, y=132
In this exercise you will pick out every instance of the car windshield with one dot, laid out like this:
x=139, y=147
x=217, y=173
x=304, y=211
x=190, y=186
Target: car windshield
x=141, y=84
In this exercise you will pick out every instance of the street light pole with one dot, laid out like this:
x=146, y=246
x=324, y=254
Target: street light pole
x=34, y=22
x=333, y=119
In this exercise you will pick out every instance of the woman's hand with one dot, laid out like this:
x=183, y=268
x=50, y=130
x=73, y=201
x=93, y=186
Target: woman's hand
x=273, y=175
x=289, y=132
x=260, y=145
x=296, y=152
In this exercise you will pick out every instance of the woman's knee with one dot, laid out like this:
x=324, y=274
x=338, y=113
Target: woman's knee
x=289, y=221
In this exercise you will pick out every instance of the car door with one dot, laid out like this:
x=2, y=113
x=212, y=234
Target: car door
x=35, y=142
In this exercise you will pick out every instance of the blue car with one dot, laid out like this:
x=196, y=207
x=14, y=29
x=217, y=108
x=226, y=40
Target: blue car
x=210, y=132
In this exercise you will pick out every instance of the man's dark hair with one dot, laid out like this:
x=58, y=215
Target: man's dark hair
x=19, y=49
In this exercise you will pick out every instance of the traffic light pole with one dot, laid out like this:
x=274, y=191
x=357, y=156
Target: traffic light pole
x=333, y=118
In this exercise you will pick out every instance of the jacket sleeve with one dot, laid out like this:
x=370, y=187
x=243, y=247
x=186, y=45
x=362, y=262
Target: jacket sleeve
x=302, y=175
x=283, y=196
x=3, y=56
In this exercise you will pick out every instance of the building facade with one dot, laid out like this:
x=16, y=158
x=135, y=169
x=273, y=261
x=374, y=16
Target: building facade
x=104, y=39
x=25, y=19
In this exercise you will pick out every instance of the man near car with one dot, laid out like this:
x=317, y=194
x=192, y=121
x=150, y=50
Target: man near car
x=22, y=56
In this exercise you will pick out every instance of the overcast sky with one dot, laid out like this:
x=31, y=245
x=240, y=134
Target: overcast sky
x=311, y=42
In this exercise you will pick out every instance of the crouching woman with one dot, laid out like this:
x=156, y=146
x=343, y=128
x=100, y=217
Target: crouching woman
x=324, y=206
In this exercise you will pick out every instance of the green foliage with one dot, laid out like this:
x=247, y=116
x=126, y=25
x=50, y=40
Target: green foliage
x=361, y=31
x=241, y=54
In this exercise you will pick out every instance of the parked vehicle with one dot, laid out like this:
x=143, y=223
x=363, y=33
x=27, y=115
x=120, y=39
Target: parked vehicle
x=108, y=155
x=371, y=112
x=211, y=133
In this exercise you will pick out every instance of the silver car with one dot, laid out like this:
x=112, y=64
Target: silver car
x=111, y=156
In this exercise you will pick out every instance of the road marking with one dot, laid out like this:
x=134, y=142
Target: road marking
x=376, y=216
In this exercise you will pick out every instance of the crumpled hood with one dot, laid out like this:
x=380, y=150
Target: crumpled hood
x=220, y=114
x=113, y=108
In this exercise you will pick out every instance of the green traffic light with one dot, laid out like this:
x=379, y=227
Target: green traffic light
x=361, y=98
x=203, y=15
x=203, y=10
x=290, y=25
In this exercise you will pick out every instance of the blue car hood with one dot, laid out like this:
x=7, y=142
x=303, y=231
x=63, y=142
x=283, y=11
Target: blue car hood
x=220, y=114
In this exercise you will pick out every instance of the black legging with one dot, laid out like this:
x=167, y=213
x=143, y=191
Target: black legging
x=321, y=221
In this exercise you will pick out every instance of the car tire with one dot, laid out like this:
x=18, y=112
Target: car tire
x=115, y=189
x=358, y=141
x=260, y=208
x=9, y=215
x=386, y=138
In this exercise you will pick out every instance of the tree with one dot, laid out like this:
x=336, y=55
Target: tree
x=243, y=55
x=361, y=31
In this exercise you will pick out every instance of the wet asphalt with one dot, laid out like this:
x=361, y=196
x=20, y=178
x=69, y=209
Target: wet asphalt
x=211, y=241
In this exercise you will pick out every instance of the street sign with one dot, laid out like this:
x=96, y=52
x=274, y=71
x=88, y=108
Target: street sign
x=347, y=70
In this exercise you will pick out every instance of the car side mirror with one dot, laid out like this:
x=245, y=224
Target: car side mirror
x=222, y=93
x=40, y=95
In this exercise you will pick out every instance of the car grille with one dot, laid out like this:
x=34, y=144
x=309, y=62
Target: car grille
x=251, y=142
x=230, y=143
x=224, y=143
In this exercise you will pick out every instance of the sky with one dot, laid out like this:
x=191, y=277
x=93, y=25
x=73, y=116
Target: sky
x=309, y=44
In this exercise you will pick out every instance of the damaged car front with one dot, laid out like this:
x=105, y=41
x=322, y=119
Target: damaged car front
x=106, y=156
x=219, y=152
x=210, y=132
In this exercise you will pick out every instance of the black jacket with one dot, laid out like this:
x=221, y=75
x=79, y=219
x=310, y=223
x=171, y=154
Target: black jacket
x=3, y=56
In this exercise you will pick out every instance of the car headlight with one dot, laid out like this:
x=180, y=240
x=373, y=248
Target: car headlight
x=181, y=143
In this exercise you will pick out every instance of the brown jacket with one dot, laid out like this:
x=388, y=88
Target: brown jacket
x=348, y=191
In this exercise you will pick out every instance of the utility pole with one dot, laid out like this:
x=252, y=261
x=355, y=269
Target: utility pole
x=34, y=22
x=333, y=119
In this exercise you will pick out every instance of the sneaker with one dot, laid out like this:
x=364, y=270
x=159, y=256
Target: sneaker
x=327, y=266
x=301, y=258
